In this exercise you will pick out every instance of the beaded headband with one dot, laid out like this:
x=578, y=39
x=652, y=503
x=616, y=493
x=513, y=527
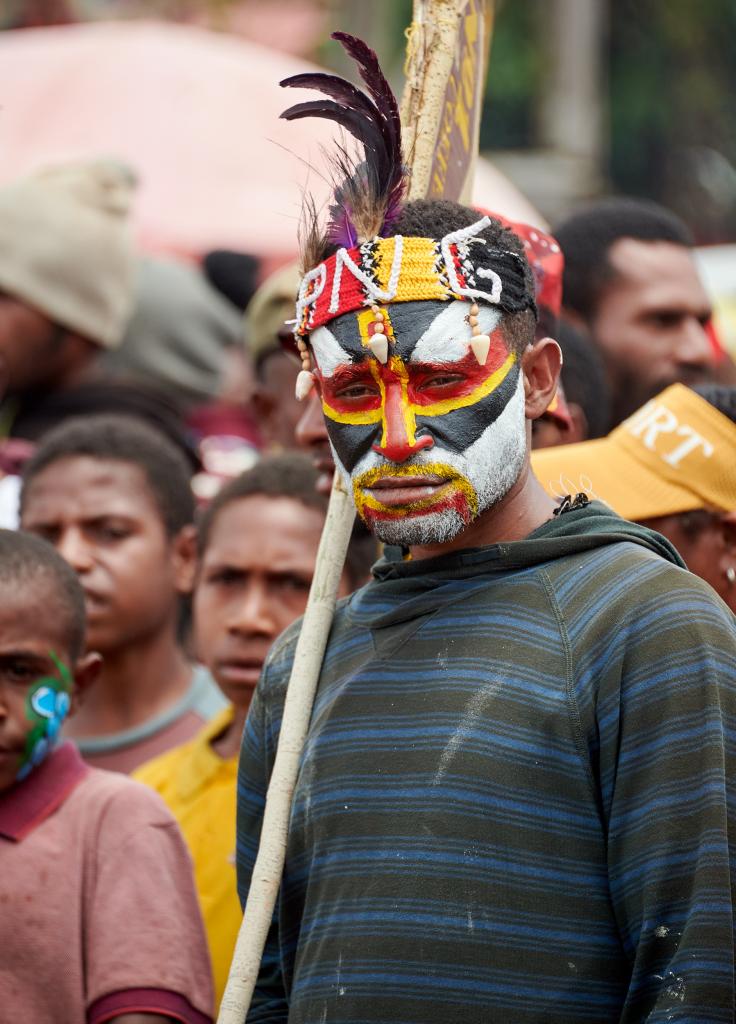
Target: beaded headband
x=459, y=266
x=404, y=269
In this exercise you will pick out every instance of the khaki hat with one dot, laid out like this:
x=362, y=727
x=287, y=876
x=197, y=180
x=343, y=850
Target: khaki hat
x=675, y=454
x=66, y=247
x=270, y=307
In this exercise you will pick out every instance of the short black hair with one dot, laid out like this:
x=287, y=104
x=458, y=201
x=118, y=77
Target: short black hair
x=721, y=398
x=587, y=236
x=289, y=475
x=122, y=439
x=26, y=559
x=435, y=218
x=584, y=378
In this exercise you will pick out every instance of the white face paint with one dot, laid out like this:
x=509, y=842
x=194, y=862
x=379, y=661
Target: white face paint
x=446, y=339
x=491, y=465
x=328, y=352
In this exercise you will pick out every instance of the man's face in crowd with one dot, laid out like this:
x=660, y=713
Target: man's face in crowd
x=430, y=439
x=103, y=519
x=252, y=582
x=649, y=322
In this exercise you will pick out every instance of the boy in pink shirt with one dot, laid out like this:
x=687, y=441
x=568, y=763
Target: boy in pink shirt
x=98, y=915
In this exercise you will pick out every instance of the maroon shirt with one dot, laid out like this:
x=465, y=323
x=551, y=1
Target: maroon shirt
x=98, y=913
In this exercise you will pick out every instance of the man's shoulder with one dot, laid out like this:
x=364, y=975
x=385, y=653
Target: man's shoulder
x=618, y=562
x=628, y=587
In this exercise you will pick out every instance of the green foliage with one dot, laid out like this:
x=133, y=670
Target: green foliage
x=515, y=78
x=672, y=89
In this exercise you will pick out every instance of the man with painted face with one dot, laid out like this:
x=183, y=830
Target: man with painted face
x=513, y=801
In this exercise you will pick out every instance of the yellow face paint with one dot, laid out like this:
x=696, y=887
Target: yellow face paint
x=455, y=482
x=397, y=369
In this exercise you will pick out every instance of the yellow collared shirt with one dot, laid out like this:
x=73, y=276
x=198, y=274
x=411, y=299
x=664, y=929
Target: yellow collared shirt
x=200, y=790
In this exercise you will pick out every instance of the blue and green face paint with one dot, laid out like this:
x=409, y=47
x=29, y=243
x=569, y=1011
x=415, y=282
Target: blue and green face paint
x=47, y=705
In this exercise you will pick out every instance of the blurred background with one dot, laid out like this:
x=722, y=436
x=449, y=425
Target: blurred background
x=583, y=98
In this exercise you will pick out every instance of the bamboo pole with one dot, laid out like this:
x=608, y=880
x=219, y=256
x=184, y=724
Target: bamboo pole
x=446, y=63
x=445, y=75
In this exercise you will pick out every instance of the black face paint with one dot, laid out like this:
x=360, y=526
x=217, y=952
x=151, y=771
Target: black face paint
x=457, y=411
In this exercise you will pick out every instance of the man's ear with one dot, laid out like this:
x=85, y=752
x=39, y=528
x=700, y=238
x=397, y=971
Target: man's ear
x=540, y=365
x=185, y=559
x=86, y=670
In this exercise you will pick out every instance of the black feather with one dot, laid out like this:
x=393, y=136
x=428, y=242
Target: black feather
x=380, y=90
x=331, y=85
x=368, y=193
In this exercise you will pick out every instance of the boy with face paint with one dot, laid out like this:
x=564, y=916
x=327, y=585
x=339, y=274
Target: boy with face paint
x=513, y=802
x=100, y=920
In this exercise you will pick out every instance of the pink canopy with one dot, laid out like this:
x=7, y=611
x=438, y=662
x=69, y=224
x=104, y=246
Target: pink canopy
x=195, y=113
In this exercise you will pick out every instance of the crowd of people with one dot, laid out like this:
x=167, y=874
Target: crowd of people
x=516, y=798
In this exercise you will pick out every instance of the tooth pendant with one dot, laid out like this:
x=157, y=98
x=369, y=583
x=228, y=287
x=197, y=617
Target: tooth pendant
x=304, y=384
x=379, y=347
x=480, y=344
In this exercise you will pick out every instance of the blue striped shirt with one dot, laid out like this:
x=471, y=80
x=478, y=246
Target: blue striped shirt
x=514, y=801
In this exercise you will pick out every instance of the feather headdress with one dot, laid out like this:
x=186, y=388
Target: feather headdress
x=368, y=193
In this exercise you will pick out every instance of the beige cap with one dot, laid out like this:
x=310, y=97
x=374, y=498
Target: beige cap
x=675, y=454
x=270, y=307
x=66, y=246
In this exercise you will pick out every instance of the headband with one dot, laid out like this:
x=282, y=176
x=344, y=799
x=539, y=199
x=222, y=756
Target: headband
x=460, y=265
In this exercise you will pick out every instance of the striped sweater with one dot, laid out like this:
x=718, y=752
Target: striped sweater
x=513, y=805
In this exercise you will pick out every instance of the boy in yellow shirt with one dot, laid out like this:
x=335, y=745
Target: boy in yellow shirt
x=257, y=547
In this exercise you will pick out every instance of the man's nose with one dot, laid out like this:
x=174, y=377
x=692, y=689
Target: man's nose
x=399, y=442
x=73, y=548
x=252, y=613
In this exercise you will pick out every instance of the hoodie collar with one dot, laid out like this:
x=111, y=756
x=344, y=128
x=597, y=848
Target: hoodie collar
x=578, y=530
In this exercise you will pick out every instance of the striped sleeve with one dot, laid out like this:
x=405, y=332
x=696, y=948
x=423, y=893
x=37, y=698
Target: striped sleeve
x=664, y=722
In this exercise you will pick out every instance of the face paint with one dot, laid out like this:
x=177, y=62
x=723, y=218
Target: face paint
x=430, y=418
x=47, y=705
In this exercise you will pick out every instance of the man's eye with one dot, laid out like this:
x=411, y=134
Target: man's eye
x=47, y=533
x=291, y=582
x=357, y=391
x=226, y=577
x=19, y=672
x=441, y=380
x=111, y=531
x=666, y=320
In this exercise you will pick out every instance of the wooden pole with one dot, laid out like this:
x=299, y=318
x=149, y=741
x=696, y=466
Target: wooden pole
x=446, y=65
x=445, y=79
